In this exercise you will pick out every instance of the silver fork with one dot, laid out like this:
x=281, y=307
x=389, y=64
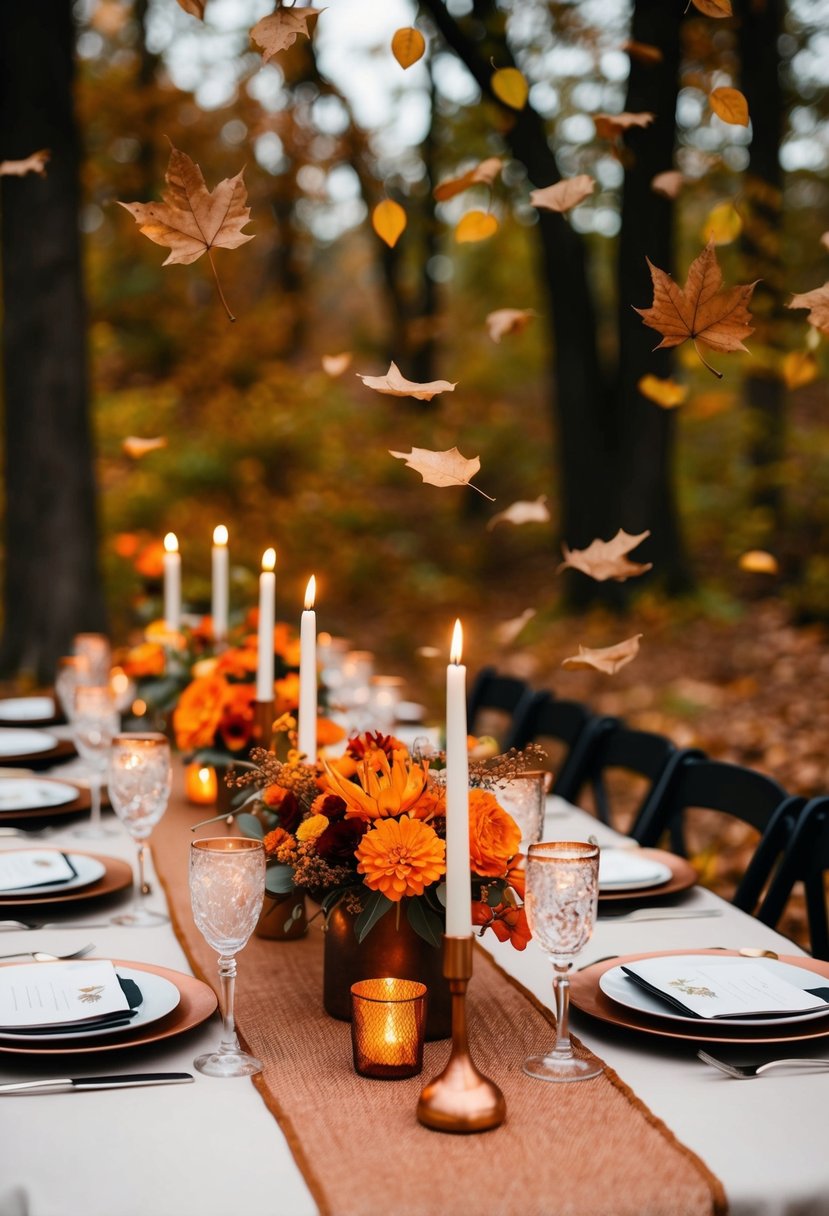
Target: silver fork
x=744, y=1072
x=6, y=926
x=40, y=957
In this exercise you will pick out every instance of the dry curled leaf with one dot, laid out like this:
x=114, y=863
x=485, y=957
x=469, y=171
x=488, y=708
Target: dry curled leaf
x=730, y=105
x=475, y=226
x=668, y=183
x=408, y=45
x=137, y=447
x=505, y=321
x=817, y=302
x=34, y=163
x=702, y=310
x=609, y=126
x=194, y=7
x=394, y=384
x=536, y=512
x=799, y=368
x=604, y=559
x=608, y=659
x=643, y=52
x=388, y=219
x=193, y=220
x=280, y=29
x=714, y=8
x=484, y=174
x=666, y=393
x=447, y=468
x=510, y=87
x=508, y=631
x=758, y=561
x=564, y=195
x=335, y=365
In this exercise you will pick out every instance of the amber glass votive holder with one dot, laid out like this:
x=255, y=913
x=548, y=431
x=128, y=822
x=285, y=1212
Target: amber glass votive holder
x=387, y=1025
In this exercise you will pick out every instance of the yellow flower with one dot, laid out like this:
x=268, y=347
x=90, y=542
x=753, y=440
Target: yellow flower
x=312, y=827
x=401, y=857
x=385, y=788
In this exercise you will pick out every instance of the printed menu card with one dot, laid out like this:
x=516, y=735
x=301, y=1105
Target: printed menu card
x=21, y=869
x=722, y=988
x=36, y=995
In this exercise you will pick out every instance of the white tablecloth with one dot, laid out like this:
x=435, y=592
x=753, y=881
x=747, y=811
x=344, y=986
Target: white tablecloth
x=213, y=1149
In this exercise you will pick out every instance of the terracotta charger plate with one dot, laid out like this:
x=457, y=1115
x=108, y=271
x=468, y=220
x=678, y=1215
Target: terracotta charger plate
x=76, y=806
x=198, y=1001
x=116, y=877
x=683, y=876
x=63, y=750
x=587, y=997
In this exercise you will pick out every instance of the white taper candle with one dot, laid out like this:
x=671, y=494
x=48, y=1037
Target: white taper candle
x=172, y=583
x=220, y=570
x=307, y=728
x=458, y=879
x=267, y=619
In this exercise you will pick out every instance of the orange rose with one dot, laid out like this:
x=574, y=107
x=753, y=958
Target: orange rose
x=198, y=713
x=237, y=662
x=150, y=561
x=237, y=720
x=494, y=836
x=145, y=660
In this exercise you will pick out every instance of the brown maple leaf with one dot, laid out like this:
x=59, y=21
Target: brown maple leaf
x=447, y=468
x=604, y=559
x=564, y=195
x=609, y=126
x=483, y=174
x=193, y=220
x=701, y=310
x=505, y=321
x=536, y=512
x=817, y=302
x=395, y=384
x=34, y=163
x=281, y=28
x=608, y=658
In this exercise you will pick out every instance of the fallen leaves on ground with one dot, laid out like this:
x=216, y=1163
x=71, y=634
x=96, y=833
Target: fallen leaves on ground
x=607, y=658
x=668, y=184
x=34, y=163
x=388, y=219
x=408, y=45
x=799, y=368
x=536, y=512
x=564, y=195
x=335, y=365
x=280, y=29
x=483, y=174
x=136, y=447
x=505, y=321
x=476, y=226
x=702, y=310
x=758, y=561
x=447, y=468
x=730, y=105
x=609, y=126
x=817, y=302
x=510, y=87
x=666, y=393
x=395, y=384
x=604, y=559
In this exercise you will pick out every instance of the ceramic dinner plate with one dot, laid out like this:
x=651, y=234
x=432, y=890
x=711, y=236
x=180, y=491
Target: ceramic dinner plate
x=117, y=876
x=87, y=869
x=630, y=870
x=27, y=709
x=681, y=876
x=16, y=741
x=31, y=793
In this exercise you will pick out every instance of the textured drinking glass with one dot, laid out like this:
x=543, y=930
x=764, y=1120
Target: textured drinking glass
x=95, y=648
x=73, y=670
x=95, y=723
x=139, y=789
x=523, y=797
x=561, y=898
x=227, y=886
x=388, y=1018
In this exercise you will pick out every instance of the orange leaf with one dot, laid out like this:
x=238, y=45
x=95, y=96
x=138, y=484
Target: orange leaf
x=668, y=183
x=563, y=196
x=335, y=365
x=730, y=105
x=714, y=8
x=34, y=163
x=758, y=561
x=536, y=512
x=475, y=226
x=604, y=559
x=701, y=310
x=608, y=659
x=799, y=367
x=388, y=219
x=483, y=174
x=137, y=447
x=510, y=87
x=508, y=321
x=666, y=393
x=194, y=7
x=644, y=52
x=817, y=302
x=393, y=384
x=280, y=29
x=408, y=45
x=447, y=468
x=608, y=126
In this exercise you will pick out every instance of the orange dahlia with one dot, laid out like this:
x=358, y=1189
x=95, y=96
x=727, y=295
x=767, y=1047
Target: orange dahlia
x=494, y=836
x=401, y=857
x=198, y=713
x=385, y=788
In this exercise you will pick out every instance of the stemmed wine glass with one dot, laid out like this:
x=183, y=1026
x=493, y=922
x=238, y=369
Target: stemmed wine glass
x=561, y=898
x=95, y=722
x=227, y=886
x=95, y=649
x=139, y=788
x=73, y=670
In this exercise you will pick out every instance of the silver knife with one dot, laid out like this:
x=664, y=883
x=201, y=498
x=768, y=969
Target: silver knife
x=125, y=1081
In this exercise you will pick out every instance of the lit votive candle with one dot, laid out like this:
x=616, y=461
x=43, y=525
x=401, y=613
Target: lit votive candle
x=388, y=1018
x=201, y=784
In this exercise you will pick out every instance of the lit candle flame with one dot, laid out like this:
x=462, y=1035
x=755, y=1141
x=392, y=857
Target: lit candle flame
x=269, y=559
x=456, y=648
x=310, y=593
x=171, y=543
x=220, y=535
x=204, y=775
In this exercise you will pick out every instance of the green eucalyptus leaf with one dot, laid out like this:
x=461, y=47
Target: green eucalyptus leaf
x=279, y=880
x=440, y=892
x=426, y=924
x=249, y=825
x=376, y=905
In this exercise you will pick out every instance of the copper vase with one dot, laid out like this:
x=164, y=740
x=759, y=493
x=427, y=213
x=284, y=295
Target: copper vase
x=391, y=948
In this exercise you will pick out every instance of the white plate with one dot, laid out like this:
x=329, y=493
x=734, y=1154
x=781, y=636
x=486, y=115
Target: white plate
x=616, y=985
x=14, y=742
x=87, y=871
x=160, y=998
x=29, y=794
x=27, y=709
x=626, y=870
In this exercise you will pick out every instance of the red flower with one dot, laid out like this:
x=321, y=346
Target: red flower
x=338, y=842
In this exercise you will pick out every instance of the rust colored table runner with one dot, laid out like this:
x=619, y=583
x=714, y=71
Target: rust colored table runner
x=586, y=1149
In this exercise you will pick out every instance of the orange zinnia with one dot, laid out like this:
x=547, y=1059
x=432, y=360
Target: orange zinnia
x=401, y=857
x=494, y=836
x=198, y=713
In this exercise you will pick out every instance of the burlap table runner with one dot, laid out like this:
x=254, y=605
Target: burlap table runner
x=589, y=1149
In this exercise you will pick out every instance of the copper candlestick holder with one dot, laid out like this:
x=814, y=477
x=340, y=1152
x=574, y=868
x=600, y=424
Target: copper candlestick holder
x=263, y=718
x=461, y=1099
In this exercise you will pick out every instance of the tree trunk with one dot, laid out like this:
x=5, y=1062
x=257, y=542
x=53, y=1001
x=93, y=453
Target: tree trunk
x=52, y=584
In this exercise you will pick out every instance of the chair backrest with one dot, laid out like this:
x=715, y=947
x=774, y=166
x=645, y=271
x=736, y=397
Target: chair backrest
x=494, y=703
x=566, y=730
x=805, y=859
x=621, y=749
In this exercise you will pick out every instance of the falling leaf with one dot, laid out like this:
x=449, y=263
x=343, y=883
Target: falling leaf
x=714, y=8
x=701, y=310
x=563, y=196
x=194, y=7
x=799, y=368
x=335, y=365
x=668, y=183
x=484, y=174
x=730, y=105
x=35, y=163
x=723, y=225
x=388, y=219
x=666, y=393
x=536, y=512
x=758, y=561
x=508, y=631
x=408, y=45
x=608, y=126
x=280, y=29
x=604, y=559
x=193, y=220
x=476, y=226
x=396, y=385
x=709, y=404
x=505, y=321
x=643, y=52
x=609, y=659
x=136, y=447
x=817, y=302
x=510, y=87
x=447, y=468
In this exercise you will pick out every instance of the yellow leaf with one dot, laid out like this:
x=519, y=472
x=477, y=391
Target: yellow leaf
x=408, y=45
x=447, y=468
x=723, y=225
x=335, y=365
x=758, y=561
x=799, y=367
x=666, y=393
x=476, y=226
x=608, y=659
x=510, y=87
x=714, y=8
x=394, y=384
x=388, y=219
x=730, y=105
x=710, y=403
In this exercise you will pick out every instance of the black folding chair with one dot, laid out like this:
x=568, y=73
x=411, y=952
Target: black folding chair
x=494, y=703
x=566, y=730
x=806, y=860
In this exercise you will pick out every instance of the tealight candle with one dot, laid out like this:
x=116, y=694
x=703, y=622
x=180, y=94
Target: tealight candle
x=458, y=880
x=307, y=726
x=201, y=784
x=172, y=583
x=267, y=620
x=220, y=566
x=388, y=1018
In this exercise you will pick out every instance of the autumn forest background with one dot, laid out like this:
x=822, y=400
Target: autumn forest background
x=102, y=343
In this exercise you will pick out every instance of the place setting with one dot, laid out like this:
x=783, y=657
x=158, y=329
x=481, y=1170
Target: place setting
x=34, y=749
x=39, y=710
x=41, y=877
